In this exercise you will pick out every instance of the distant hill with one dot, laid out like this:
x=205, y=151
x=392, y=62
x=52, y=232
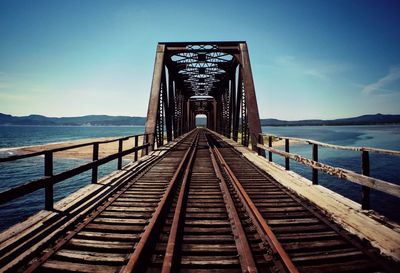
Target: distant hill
x=92, y=120
x=361, y=120
x=104, y=120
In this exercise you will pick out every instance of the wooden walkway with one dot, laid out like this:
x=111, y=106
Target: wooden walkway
x=199, y=204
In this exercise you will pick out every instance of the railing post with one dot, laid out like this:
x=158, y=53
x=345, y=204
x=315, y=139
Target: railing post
x=120, y=143
x=48, y=171
x=136, y=144
x=287, y=166
x=270, y=146
x=315, y=158
x=260, y=141
x=147, y=146
x=95, y=157
x=365, y=200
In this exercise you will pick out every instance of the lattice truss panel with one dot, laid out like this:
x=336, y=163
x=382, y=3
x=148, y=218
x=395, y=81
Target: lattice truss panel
x=201, y=68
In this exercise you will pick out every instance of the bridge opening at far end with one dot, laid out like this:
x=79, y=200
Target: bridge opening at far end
x=201, y=120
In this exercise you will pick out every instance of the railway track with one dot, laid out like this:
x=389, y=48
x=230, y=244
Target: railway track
x=312, y=241
x=203, y=208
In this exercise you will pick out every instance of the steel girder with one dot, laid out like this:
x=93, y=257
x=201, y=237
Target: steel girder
x=210, y=78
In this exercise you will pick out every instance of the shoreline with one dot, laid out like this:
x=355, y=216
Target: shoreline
x=85, y=152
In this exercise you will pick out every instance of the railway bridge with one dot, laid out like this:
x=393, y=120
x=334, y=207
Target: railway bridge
x=207, y=199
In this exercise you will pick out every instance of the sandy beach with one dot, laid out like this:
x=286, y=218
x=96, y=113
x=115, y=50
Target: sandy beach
x=104, y=149
x=82, y=152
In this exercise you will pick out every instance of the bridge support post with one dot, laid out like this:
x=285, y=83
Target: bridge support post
x=251, y=100
x=152, y=111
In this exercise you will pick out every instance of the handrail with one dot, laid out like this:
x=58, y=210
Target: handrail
x=338, y=147
x=64, y=148
x=49, y=179
x=361, y=179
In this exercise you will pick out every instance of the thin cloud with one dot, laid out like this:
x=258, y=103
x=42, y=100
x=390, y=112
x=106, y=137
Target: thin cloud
x=315, y=68
x=392, y=76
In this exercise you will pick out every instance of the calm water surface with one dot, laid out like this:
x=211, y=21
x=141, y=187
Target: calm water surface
x=16, y=173
x=21, y=171
x=385, y=167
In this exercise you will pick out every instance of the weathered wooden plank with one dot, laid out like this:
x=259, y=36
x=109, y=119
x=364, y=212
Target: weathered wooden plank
x=315, y=257
x=99, y=244
x=98, y=257
x=328, y=244
x=206, y=222
x=300, y=221
x=303, y=236
x=209, y=260
x=55, y=265
x=116, y=228
x=108, y=236
x=351, y=266
x=102, y=220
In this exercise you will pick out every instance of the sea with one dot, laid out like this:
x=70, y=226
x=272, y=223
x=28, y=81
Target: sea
x=19, y=172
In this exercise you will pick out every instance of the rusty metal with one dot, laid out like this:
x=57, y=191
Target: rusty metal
x=252, y=209
x=268, y=195
x=170, y=253
x=64, y=240
x=139, y=255
x=202, y=69
x=154, y=100
x=180, y=207
x=247, y=261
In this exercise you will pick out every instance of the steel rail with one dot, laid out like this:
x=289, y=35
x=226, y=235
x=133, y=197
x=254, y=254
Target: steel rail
x=171, y=249
x=247, y=262
x=138, y=255
x=37, y=263
x=273, y=241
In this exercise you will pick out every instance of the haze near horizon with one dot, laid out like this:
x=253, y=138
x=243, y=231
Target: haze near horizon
x=310, y=59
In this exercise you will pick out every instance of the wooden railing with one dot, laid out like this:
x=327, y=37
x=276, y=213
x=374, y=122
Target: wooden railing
x=49, y=179
x=362, y=179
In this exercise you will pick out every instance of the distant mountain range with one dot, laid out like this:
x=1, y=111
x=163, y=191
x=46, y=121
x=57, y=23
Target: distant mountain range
x=104, y=120
x=361, y=120
x=92, y=120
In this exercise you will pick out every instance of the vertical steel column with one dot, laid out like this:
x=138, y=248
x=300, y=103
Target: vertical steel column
x=237, y=110
x=251, y=100
x=152, y=109
x=171, y=102
x=187, y=116
x=244, y=122
x=160, y=116
x=214, y=115
x=232, y=102
x=167, y=105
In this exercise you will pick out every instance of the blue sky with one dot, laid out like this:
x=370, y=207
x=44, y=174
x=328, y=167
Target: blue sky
x=310, y=59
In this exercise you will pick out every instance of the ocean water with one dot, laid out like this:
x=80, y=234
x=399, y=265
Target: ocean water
x=385, y=167
x=19, y=172
x=22, y=171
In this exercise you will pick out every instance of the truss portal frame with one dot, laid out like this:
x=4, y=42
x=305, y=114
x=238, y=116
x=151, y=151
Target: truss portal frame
x=211, y=78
